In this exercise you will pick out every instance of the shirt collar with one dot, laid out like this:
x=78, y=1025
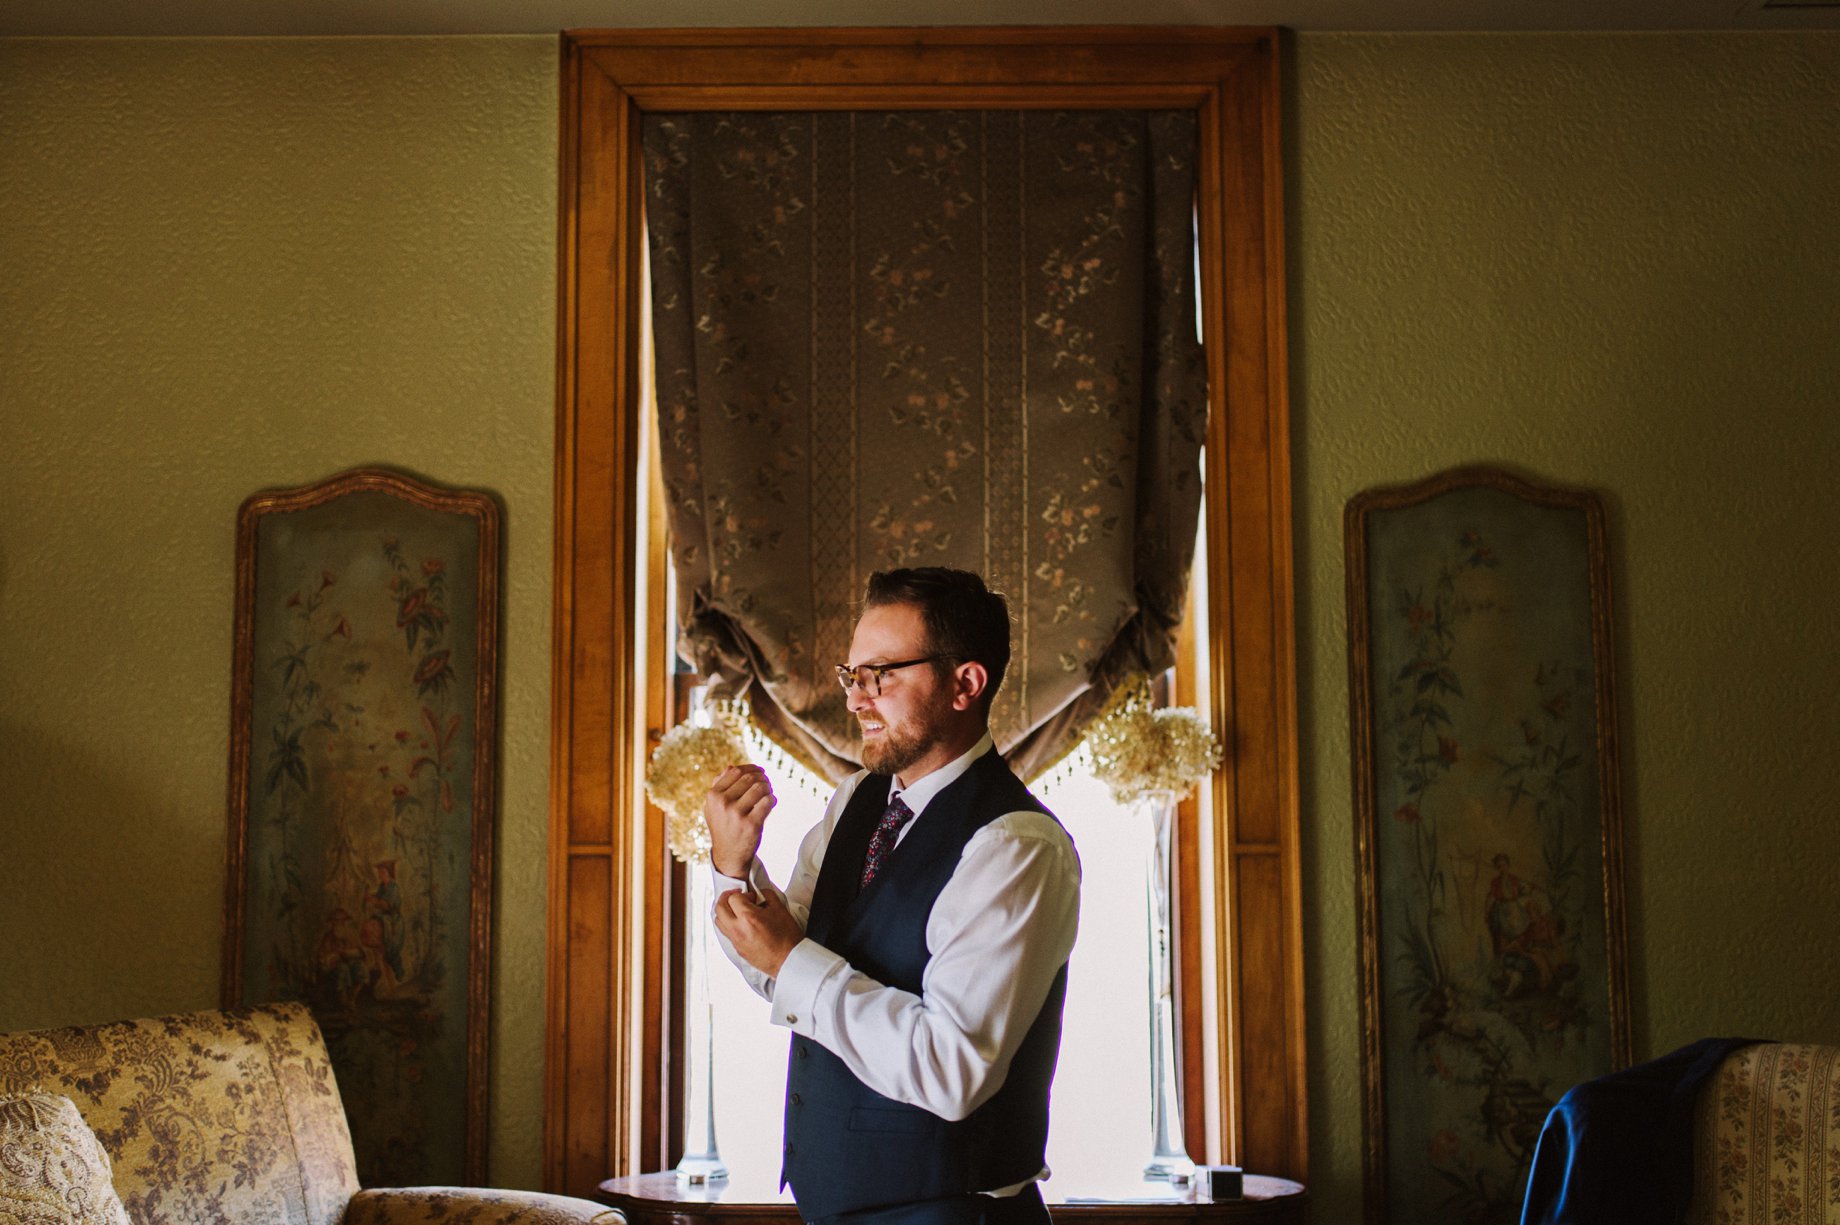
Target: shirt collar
x=921, y=793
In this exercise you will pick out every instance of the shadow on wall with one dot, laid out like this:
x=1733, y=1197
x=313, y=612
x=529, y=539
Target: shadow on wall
x=111, y=899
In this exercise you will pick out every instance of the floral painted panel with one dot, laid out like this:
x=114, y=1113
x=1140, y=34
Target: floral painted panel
x=914, y=338
x=363, y=793
x=1493, y=935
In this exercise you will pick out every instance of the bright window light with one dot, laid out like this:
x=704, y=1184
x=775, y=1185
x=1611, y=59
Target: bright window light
x=1099, y=1134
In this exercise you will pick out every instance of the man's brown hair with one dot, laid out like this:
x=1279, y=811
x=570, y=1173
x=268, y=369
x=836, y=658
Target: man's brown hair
x=965, y=620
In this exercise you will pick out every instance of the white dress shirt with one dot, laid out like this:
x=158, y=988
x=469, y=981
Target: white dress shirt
x=999, y=932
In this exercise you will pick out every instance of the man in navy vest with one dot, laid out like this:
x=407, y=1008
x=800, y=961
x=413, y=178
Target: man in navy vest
x=919, y=952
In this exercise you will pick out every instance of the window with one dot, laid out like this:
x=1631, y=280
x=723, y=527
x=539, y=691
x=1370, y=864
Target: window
x=609, y=940
x=1100, y=1139
x=1100, y=1134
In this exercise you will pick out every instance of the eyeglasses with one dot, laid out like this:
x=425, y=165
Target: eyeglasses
x=868, y=677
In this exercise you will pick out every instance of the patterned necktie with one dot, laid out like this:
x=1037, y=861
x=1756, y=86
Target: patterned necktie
x=881, y=841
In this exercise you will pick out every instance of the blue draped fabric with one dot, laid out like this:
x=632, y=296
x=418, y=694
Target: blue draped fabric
x=1619, y=1148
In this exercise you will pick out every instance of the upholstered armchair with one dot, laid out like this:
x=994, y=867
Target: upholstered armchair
x=1726, y=1131
x=1766, y=1138
x=208, y=1118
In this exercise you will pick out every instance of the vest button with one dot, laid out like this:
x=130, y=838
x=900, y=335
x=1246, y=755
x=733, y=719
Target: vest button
x=796, y=1100
x=803, y=1050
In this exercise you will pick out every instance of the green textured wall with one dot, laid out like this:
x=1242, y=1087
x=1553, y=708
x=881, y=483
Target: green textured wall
x=225, y=266
x=1611, y=261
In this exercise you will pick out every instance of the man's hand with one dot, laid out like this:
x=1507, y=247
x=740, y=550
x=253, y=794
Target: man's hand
x=763, y=931
x=736, y=809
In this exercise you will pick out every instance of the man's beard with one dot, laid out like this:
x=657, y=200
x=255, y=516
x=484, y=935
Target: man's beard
x=893, y=751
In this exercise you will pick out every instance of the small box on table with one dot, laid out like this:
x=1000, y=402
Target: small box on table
x=1219, y=1182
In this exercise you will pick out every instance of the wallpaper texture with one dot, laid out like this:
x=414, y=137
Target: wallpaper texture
x=1605, y=260
x=233, y=265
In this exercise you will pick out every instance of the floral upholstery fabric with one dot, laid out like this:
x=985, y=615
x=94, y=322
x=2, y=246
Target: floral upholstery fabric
x=216, y=1118
x=210, y=1118
x=472, y=1206
x=52, y=1170
x=1767, y=1138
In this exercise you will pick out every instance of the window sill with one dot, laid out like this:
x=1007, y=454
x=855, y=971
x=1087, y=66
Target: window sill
x=660, y=1199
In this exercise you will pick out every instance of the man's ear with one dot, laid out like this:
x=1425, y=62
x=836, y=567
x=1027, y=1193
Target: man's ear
x=969, y=681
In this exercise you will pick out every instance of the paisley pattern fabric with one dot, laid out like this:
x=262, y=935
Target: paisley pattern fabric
x=471, y=1206
x=52, y=1170
x=894, y=817
x=211, y=1118
x=926, y=338
x=1767, y=1140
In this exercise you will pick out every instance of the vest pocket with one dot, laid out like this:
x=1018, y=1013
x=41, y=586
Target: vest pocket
x=870, y=1118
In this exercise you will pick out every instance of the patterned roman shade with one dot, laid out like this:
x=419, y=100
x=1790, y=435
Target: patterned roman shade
x=926, y=338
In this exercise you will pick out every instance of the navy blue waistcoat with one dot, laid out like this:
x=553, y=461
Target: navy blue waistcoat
x=849, y=1148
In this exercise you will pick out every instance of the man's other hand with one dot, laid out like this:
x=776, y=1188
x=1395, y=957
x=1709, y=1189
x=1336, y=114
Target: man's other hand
x=762, y=930
x=736, y=809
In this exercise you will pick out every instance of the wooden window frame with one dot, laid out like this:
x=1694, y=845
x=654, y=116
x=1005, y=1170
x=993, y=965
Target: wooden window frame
x=608, y=952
